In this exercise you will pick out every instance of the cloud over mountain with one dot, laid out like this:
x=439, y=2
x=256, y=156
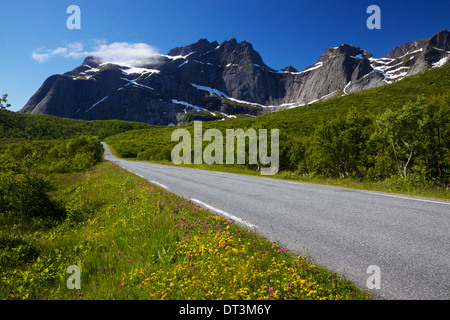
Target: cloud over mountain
x=117, y=52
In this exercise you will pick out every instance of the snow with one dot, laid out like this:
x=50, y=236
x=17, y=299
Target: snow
x=134, y=70
x=204, y=54
x=292, y=104
x=142, y=86
x=134, y=83
x=440, y=63
x=311, y=102
x=391, y=72
x=438, y=49
x=92, y=70
x=348, y=84
x=188, y=105
x=183, y=64
x=221, y=94
x=210, y=90
x=250, y=103
x=380, y=60
x=179, y=56
x=396, y=76
x=316, y=66
x=228, y=115
x=327, y=95
x=95, y=104
x=385, y=68
x=408, y=53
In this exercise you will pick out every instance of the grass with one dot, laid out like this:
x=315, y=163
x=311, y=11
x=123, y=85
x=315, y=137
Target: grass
x=391, y=185
x=299, y=157
x=134, y=240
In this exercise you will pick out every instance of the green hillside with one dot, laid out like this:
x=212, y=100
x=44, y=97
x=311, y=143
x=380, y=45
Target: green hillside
x=46, y=127
x=395, y=131
x=398, y=131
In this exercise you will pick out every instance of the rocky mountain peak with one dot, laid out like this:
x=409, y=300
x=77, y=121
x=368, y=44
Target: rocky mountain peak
x=239, y=53
x=344, y=49
x=225, y=80
x=441, y=40
x=201, y=46
x=289, y=69
x=93, y=61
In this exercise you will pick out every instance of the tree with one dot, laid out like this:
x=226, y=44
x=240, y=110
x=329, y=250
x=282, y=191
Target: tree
x=3, y=102
x=402, y=132
x=339, y=146
x=437, y=138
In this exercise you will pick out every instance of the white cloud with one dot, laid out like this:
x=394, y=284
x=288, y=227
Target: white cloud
x=118, y=52
x=40, y=57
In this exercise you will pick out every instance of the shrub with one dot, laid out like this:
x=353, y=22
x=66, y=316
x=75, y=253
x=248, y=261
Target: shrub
x=25, y=196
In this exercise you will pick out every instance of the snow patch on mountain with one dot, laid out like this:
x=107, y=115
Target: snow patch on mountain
x=440, y=63
x=97, y=103
x=219, y=93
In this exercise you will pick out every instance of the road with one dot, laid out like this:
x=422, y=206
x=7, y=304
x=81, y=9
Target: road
x=342, y=229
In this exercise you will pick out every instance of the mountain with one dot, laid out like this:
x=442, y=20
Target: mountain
x=210, y=81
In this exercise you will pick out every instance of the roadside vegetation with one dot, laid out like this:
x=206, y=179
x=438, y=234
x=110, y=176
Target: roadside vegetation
x=134, y=240
x=61, y=205
x=395, y=138
x=45, y=127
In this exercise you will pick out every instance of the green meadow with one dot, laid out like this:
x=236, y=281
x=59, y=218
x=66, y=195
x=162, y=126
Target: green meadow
x=61, y=204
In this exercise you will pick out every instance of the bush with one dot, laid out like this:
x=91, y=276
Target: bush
x=64, y=156
x=25, y=196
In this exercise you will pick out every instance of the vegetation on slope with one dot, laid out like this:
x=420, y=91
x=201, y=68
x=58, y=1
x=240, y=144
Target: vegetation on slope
x=46, y=127
x=60, y=207
x=398, y=132
x=134, y=240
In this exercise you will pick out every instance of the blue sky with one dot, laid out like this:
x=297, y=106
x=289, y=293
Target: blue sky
x=283, y=32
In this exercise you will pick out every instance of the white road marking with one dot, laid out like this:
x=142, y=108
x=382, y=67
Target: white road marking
x=226, y=214
x=160, y=184
x=407, y=198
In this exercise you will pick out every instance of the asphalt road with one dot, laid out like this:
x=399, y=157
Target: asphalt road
x=342, y=229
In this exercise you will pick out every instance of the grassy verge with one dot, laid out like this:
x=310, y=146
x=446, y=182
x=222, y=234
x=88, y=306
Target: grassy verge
x=390, y=185
x=133, y=240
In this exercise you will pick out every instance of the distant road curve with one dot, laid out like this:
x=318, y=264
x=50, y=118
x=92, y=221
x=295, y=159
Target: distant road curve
x=342, y=229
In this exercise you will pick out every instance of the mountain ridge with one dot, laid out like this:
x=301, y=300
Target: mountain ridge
x=210, y=81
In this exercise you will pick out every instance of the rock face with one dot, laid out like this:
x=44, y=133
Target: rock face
x=209, y=81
